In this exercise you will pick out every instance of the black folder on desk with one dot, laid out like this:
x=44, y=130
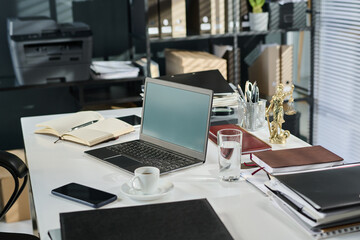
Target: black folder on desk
x=327, y=190
x=211, y=79
x=192, y=219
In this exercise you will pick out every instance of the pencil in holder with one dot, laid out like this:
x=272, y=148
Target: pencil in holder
x=251, y=116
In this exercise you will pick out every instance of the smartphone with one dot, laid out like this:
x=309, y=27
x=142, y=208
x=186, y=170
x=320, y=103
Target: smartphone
x=131, y=119
x=83, y=194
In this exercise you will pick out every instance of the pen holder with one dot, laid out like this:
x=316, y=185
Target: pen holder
x=252, y=115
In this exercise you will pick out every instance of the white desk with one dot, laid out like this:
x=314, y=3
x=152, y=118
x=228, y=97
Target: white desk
x=246, y=212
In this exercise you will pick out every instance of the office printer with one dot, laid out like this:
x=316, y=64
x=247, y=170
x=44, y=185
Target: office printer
x=44, y=51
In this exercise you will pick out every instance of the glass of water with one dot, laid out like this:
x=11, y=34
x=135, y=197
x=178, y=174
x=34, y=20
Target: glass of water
x=229, y=154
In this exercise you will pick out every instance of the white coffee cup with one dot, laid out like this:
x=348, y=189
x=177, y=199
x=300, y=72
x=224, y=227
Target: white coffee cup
x=146, y=180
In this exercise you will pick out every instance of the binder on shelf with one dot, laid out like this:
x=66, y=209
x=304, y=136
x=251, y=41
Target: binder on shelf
x=230, y=7
x=198, y=17
x=217, y=16
x=244, y=16
x=165, y=10
x=178, y=14
x=153, y=19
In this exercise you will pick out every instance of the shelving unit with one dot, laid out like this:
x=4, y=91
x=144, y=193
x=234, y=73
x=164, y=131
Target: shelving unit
x=244, y=40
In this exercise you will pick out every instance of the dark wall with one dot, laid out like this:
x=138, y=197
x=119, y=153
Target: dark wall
x=7, y=9
x=19, y=103
x=108, y=20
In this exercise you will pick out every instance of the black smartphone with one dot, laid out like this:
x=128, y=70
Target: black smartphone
x=83, y=194
x=131, y=119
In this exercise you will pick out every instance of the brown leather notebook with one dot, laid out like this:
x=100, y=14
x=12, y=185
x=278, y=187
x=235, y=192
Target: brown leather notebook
x=296, y=159
x=250, y=143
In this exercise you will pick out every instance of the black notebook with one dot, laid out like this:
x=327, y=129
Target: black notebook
x=192, y=219
x=326, y=190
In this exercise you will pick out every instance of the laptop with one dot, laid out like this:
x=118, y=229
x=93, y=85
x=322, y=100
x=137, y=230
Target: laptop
x=174, y=130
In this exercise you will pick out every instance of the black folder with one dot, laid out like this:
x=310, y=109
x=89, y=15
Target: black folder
x=192, y=219
x=327, y=190
x=210, y=79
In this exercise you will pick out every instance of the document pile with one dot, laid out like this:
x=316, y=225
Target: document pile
x=226, y=100
x=113, y=69
x=324, y=202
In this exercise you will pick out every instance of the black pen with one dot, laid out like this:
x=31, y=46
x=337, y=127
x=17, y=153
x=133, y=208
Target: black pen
x=83, y=125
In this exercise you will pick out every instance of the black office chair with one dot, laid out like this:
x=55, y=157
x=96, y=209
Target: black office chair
x=18, y=170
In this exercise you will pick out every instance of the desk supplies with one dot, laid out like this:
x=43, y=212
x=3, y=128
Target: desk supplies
x=250, y=143
x=192, y=219
x=174, y=130
x=251, y=92
x=86, y=127
x=251, y=109
x=296, y=159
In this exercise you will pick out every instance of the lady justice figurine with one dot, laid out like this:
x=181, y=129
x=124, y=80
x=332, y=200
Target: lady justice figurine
x=277, y=134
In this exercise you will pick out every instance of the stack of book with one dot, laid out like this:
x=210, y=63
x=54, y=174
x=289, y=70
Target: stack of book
x=324, y=202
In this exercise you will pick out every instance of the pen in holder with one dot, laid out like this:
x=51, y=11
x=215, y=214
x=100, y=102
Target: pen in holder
x=252, y=114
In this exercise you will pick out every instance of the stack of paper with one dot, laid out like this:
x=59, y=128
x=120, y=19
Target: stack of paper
x=324, y=202
x=226, y=100
x=113, y=69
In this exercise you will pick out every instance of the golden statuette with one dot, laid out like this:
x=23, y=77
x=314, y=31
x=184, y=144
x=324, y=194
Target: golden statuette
x=277, y=134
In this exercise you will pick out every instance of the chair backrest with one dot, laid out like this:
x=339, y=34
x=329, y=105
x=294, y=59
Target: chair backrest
x=18, y=170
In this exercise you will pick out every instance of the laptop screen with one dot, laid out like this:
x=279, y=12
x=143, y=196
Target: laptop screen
x=177, y=114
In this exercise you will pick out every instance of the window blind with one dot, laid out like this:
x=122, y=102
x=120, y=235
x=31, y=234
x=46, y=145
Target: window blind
x=337, y=77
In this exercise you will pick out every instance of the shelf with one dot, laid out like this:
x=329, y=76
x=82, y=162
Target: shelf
x=112, y=101
x=104, y=92
x=191, y=38
x=226, y=35
x=250, y=33
x=74, y=83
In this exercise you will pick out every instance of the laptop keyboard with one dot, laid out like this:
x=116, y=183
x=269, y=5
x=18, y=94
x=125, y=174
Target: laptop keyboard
x=152, y=156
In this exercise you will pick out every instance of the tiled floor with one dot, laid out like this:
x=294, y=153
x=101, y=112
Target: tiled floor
x=17, y=227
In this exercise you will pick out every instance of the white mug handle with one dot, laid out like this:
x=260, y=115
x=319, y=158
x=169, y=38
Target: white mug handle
x=133, y=184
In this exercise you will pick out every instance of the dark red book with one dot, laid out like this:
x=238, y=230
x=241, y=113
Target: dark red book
x=250, y=143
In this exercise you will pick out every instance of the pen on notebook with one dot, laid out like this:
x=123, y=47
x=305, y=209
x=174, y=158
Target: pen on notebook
x=83, y=125
x=77, y=127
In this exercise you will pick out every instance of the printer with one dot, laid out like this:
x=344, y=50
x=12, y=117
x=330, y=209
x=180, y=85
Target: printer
x=44, y=51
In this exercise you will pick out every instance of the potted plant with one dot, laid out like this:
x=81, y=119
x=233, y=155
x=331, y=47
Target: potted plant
x=258, y=18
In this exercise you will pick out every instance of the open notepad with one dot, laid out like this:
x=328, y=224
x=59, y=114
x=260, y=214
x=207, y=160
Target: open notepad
x=86, y=127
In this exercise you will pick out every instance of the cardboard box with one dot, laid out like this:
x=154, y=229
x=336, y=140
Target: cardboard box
x=180, y=61
x=273, y=66
x=21, y=208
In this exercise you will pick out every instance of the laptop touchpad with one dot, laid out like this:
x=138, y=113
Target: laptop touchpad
x=124, y=162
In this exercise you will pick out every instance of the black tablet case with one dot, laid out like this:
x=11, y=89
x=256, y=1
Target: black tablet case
x=192, y=219
x=330, y=189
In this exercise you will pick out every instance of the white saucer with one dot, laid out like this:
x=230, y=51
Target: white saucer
x=164, y=188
